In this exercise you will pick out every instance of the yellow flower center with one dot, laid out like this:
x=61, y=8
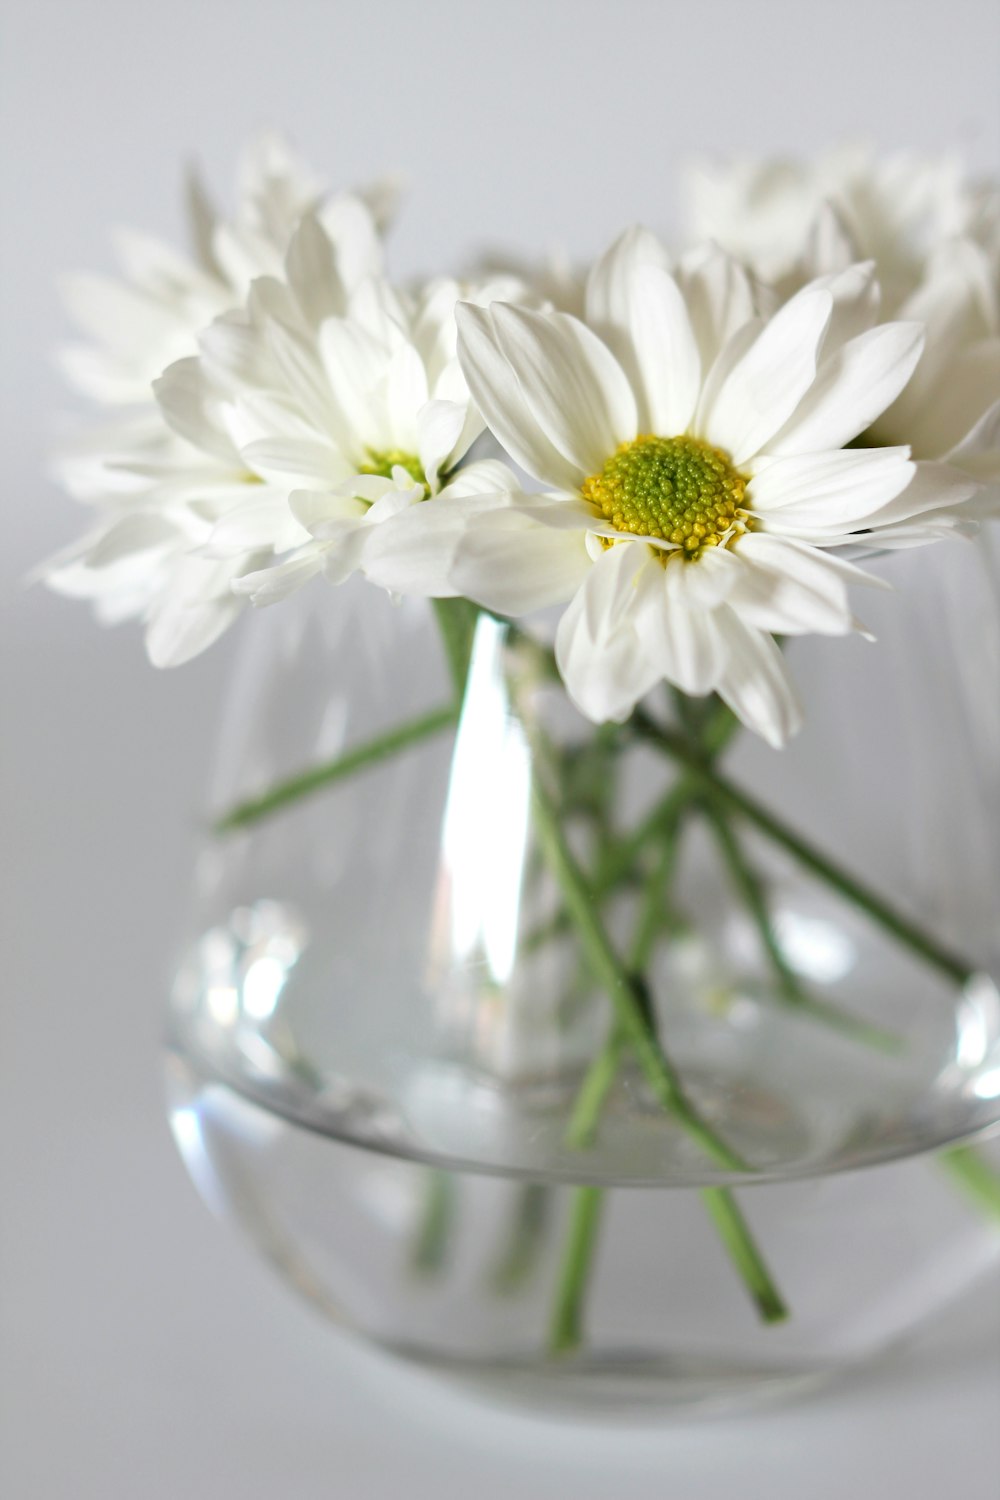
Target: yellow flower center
x=678, y=489
x=382, y=461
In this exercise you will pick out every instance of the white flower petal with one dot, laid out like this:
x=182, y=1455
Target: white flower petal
x=608, y=294
x=350, y=225
x=486, y=476
x=403, y=495
x=704, y=582
x=664, y=360
x=312, y=271
x=935, y=491
x=830, y=246
x=272, y=585
x=264, y=524
x=186, y=403
x=852, y=388
x=681, y=638
x=856, y=295
x=500, y=399
x=835, y=491
x=771, y=379
x=414, y=553
x=755, y=682
x=356, y=366
x=981, y=440
x=314, y=508
x=728, y=358
x=281, y=459
x=572, y=384
x=636, y=306
x=507, y=562
x=600, y=656
x=134, y=532
x=181, y=628
x=406, y=394
x=440, y=425
x=789, y=588
x=296, y=358
x=719, y=299
x=969, y=386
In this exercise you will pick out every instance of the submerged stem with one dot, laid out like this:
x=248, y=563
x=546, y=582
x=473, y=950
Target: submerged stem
x=973, y=1173
x=522, y=1251
x=951, y=965
x=627, y=994
x=430, y=1248
x=566, y=1327
x=735, y=1234
x=596, y=1085
x=788, y=987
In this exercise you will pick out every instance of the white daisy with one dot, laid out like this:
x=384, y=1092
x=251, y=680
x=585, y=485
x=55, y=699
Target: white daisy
x=143, y=322
x=308, y=418
x=349, y=420
x=159, y=475
x=934, y=237
x=147, y=556
x=950, y=409
x=696, y=473
x=791, y=220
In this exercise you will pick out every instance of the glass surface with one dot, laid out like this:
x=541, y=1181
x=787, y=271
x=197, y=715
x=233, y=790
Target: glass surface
x=383, y=1017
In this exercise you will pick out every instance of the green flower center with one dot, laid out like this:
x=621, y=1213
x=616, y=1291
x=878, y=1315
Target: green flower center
x=382, y=461
x=678, y=489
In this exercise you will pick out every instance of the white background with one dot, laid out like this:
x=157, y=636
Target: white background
x=144, y=1353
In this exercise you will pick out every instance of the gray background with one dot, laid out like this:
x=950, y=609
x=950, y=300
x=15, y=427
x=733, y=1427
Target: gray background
x=144, y=1353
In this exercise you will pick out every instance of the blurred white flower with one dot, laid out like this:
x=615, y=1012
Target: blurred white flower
x=950, y=409
x=934, y=237
x=141, y=323
x=695, y=458
x=162, y=468
x=145, y=554
x=790, y=220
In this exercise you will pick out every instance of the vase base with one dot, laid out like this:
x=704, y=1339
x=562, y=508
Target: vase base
x=621, y=1388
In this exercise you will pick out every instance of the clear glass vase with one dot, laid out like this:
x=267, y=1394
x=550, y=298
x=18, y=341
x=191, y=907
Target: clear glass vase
x=383, y=1032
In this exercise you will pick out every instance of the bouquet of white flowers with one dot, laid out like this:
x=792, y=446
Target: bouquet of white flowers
x=628, y=488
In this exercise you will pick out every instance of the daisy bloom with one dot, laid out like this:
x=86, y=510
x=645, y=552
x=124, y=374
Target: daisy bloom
x=790, y=220
x=934, y=236
x=146, y=555
x=161, y=470
x=308, y=418
x=696, y=479
x=152, y=315
x=348, y=422
x=950, y=409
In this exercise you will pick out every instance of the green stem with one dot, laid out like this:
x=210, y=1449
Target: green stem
x=975, y=1175
x=954, y=968
x=566, y=1329
x=787, y=985
x=649, y=923
x=317, y=777
x=622, y=856
x=527, y=1238
x=735, y=1234
x=457, y=620
x=594, y=1089
x=430, y=1247
x=601, y=1074
x=631, y=1002
x=627, y=994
